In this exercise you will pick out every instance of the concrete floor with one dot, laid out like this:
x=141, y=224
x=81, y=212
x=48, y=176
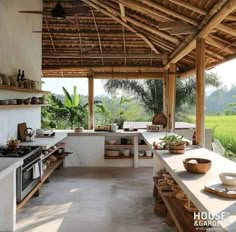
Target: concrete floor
x=94, y=200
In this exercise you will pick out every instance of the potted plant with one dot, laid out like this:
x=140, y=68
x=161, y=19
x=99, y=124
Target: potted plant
x=174, y=143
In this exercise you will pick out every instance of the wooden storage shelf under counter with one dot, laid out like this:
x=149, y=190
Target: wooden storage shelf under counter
x=18, y=89
x=47, y=173
x=119, y=157
x=2, y=107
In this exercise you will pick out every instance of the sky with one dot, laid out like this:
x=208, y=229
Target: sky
x=226, y=71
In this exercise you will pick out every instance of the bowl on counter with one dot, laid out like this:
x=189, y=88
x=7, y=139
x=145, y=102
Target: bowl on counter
x=126, y=152
x=112, y=153
x=111, y=141
x=149, y=153
x=141, y=153
x=228, y=178
x=197, y=165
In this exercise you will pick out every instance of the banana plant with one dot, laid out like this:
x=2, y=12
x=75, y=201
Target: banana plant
x=71, y=101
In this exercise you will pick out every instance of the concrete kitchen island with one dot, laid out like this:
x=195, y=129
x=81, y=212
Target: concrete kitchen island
x=89, y=147
x=8, y=168
x=193, y=184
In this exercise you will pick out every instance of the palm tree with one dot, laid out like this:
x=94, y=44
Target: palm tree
x=150, y=92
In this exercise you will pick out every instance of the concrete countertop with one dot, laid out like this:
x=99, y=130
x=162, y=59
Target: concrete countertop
x=47, y=142
x=105, y=133
x=193, y=184
x=8, y=165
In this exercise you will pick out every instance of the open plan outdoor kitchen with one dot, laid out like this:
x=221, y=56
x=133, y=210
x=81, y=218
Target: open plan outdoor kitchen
x=79, y=162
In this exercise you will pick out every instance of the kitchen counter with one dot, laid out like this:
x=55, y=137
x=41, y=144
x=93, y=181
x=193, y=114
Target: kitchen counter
x=8, y=165
x=193, y=184
x=47, y=142
x=8, y=168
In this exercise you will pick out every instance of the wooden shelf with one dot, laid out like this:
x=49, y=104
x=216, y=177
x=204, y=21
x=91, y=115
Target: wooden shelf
x=2, y=107
x=46, y=174
x=118, y=157
x=50, y=153
x=183, y=219
x=18, y=89
x=127, y=146
x=145, y=157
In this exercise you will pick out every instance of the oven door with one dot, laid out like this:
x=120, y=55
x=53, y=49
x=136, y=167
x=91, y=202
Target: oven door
x=28, y=178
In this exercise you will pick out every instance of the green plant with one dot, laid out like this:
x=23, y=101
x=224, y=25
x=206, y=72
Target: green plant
x=172, y=140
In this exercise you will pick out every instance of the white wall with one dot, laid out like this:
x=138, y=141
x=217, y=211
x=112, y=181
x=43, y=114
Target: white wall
x=19, y=48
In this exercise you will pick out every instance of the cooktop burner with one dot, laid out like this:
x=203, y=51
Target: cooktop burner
x=16, y=153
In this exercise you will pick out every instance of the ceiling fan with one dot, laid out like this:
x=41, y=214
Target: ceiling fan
x=58, y=12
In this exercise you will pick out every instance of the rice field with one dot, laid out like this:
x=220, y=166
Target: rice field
x=224, y=129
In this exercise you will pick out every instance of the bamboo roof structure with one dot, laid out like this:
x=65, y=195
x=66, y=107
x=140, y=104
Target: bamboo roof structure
x=135, y=38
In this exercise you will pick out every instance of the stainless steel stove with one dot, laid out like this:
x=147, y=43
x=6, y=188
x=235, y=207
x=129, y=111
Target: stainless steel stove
x=30, y=173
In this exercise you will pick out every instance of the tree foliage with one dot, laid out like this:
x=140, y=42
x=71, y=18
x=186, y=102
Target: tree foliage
x=150, y=92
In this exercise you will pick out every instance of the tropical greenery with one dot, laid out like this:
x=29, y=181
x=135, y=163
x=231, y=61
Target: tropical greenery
x=150, y=92
x=69, y=113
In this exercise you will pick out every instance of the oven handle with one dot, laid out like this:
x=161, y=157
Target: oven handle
x=26, y=170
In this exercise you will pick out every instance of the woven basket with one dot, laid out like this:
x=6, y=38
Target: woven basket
x=169, y=220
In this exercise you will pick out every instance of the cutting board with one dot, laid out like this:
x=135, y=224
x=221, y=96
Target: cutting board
x=221, y=190
x=21, y=131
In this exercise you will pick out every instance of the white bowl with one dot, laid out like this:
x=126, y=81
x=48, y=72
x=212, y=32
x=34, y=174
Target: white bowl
x=141, y=153
x=126, y=152
x=148, y=153
x=111, y=142
x=112, y=153
x=228, y=178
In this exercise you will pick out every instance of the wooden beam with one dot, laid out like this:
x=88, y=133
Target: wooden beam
x=183, y=30
x=103, y=56
x=80, y=40
x=200, y=91
x=169, y=25
x=128, y=75
x=171, y=98
x=189, y=6
x=143, y=37
x=99, y=39
x=123, y=34
x=137, y=23
x=106, y=69
x=90, y=103
x=122, y=12
x=168, y=11
x=226, y=29
x=222, y=46
x=165, y=92
x=144, y=10
x=213, y=23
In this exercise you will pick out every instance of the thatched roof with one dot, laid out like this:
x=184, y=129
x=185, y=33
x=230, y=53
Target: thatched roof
x=135, y=35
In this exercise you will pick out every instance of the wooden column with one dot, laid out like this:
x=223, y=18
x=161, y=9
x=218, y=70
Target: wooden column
x=165, y=92
x=171, y=98
x=90, y=103
x=200, y=91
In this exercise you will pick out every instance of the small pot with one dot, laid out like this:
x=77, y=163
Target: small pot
x=27, y=101
x=19, y=101
x=4, y=102
x=41, y=100
x=34, y=100
x=177, y=149
x=12, y=102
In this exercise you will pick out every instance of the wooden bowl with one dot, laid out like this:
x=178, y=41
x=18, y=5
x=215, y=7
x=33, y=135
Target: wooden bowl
x=200, y=167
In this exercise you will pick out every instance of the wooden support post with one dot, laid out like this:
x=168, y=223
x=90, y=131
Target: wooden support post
x=200, y=91
x=90, y=103
x=171, y=98
x=165, y=92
